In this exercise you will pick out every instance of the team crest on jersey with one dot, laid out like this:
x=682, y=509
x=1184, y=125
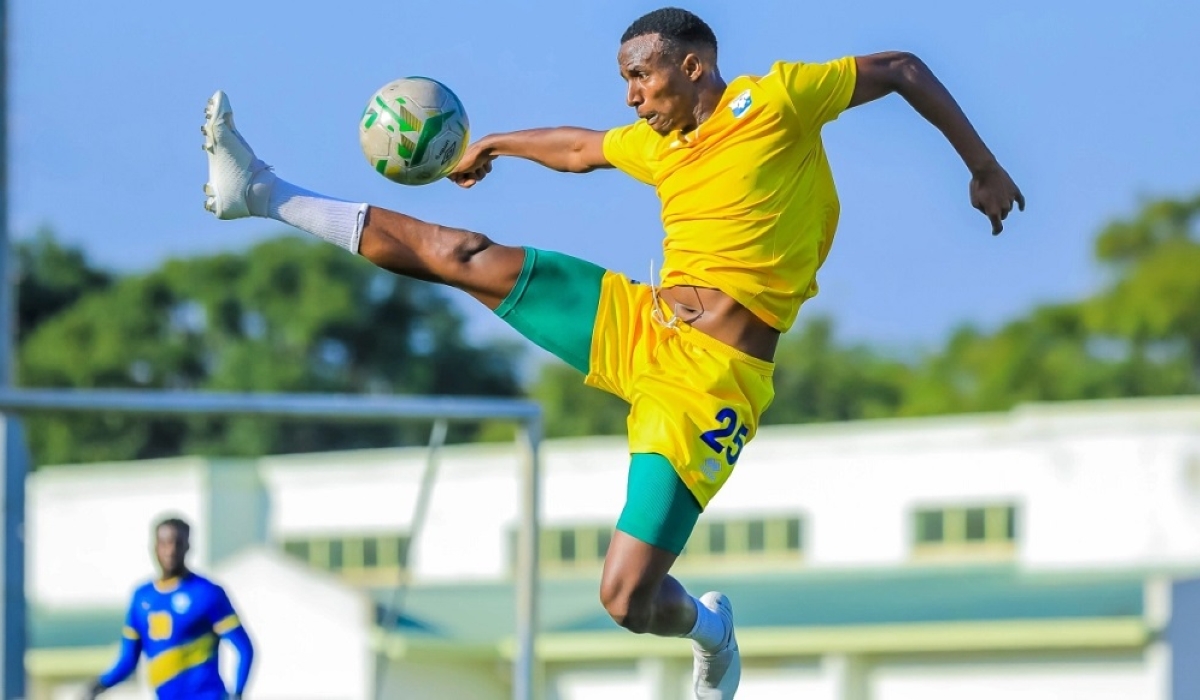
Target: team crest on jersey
x=740, y=104
x=711, y=469
x=180, y=602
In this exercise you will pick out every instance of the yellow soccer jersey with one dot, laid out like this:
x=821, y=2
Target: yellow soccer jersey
x=748, y=201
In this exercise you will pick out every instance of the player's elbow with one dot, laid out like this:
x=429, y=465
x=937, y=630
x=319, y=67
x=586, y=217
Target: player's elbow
x=587, y=152
x=240, y=640
x=905, y=70
x=577, y=161
x=577, y=164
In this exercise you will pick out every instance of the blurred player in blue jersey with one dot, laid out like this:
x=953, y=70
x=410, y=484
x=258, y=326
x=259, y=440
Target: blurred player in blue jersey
x=178, y=621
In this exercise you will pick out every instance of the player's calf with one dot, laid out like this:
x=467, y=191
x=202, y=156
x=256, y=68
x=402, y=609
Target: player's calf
x=637, y=592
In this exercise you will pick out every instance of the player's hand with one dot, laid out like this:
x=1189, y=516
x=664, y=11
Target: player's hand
x=993, y=192
x=94, y=690
x=476, y=163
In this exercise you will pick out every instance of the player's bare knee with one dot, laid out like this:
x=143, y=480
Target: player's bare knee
x=630, y=614
x=628, y=606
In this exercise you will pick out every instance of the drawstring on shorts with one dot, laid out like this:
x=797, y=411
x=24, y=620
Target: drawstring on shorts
x=656, y=311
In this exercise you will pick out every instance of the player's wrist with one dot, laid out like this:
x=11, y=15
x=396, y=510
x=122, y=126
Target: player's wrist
x=983, y=165
x=95, y=689
x=492, y=145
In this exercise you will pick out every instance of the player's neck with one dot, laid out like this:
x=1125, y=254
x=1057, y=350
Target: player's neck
x=709, y=99
x=167, y=581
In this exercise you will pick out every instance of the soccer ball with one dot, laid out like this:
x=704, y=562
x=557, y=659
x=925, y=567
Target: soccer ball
x=414, y=131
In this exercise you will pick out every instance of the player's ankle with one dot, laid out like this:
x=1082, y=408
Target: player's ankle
x=258, y=196
x=334, y=220
x=710, y=631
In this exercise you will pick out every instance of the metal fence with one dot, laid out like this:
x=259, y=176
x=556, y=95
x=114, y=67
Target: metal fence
x=16, y=403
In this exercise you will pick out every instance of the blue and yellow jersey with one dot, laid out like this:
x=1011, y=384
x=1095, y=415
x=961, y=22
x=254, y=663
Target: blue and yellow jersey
x=178, y=624
x=748, y=201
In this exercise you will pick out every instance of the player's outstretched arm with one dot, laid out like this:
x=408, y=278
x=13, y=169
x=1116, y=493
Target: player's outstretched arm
x=126, y=664
x=245, y=653
x=993, y=192
x=228, y=627
x=566, y=149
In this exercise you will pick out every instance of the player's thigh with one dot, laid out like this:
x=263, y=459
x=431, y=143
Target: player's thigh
x=655, y=524
x=660, y=511
x=554, y=303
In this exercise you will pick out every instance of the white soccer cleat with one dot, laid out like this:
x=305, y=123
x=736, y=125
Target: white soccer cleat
x=232, y=165
x=716, y=674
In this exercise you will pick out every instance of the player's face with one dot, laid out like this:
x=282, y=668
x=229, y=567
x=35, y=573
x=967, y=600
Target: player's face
x=170, y=548
x=663, y=91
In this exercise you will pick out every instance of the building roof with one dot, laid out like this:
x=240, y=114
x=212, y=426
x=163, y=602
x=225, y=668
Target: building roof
x=780, y=613
x=1166, y=412
x=483, y=612
x=474, y=613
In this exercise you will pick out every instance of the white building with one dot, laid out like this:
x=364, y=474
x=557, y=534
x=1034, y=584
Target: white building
x=1039, y=554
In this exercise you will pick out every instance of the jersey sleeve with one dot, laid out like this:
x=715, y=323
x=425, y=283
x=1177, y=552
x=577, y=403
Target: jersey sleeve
x=630, y=149
x=131, y=649
x=819, y=92
x=221, y=613
x=228, y=627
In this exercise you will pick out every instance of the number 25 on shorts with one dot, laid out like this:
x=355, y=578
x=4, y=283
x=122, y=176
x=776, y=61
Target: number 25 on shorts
x=731, y=425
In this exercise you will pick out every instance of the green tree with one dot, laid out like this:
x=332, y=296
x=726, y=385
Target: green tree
x=51, y=277
x=289, y=315
x=817, y=379
x=1153, y=298
x=1138, y=336
x=573, y=409
x=1050, y=355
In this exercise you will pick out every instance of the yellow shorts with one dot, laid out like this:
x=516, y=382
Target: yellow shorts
x=693, y=399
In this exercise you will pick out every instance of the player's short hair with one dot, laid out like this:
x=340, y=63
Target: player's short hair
x=679, y=30
x=178, y=524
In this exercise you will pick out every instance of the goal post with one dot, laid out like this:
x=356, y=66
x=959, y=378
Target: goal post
x=15, y=403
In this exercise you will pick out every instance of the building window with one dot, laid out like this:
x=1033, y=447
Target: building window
x=930, y=526
x=569, y=548
x=716, y=538
x=298, y=549
x=767, y=540
x=370, y=552
x=566, y=545
x=793, y=534
x=369, y=559
x=603, y=540
x=965, y=532
x=336, y=554
x=583, y=547
x=756, y=534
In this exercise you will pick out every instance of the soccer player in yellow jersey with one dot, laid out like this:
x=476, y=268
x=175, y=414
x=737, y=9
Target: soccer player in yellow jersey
x=749, y=210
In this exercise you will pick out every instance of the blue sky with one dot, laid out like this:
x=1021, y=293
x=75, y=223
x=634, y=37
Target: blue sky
x=1092, y=107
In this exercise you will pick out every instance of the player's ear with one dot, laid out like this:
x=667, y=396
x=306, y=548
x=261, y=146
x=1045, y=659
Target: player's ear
x=692, y=67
